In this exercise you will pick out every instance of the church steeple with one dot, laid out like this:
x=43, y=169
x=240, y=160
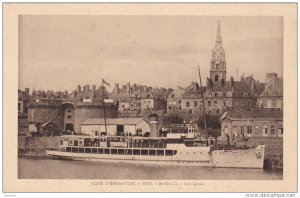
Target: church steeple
x=219, y=37
x=218, y=62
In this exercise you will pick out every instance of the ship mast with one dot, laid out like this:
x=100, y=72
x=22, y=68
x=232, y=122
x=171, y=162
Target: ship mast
x=203, y=104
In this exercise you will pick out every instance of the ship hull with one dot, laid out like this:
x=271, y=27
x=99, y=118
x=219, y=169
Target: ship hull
x=238, y=158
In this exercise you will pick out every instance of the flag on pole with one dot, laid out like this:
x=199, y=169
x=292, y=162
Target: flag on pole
x=104, y=82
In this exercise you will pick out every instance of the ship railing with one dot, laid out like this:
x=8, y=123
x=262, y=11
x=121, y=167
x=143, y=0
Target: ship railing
x=122, y=151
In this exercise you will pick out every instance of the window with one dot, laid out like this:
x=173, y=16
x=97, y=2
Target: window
x=195, y=104
x=69, y=116
x=272, y=130
x=215, y=103
x=187, y=104
x=69, y=110
x=273, y=103
x=265, y=131
x=242, y=130
x=224, y=94
x=216, y=77
x=19, y=106
x=234, y=129
x=216, y=94
x=209, y=103
x=280, y=131
x=249, y=130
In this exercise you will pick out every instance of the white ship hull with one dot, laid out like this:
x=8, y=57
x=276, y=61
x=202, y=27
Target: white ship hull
x=185, y=156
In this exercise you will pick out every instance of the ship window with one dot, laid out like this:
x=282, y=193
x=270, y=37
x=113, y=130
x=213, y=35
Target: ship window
x=106, y=151
x=80, y=142
x=114, y=151
x=121, y=151
x=81, y=150
x=68, y=149
x=88, y=150
x=144, y=152
x=169, y=152
x=74, y=150
x=71, y=142
x=100, y=151
x=152, y=152
x=128, y=151
x=160, y=153
x=136, y=152
x=94, y=150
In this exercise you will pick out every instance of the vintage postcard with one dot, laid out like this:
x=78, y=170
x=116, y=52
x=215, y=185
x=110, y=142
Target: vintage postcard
x=150, y=97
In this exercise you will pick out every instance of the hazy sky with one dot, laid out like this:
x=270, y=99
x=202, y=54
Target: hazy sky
x=60, y=52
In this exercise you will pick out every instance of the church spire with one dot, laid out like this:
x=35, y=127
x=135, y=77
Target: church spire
x=218, y=61
x=218, y=37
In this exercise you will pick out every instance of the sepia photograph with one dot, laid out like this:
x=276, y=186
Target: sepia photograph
x=156, y=97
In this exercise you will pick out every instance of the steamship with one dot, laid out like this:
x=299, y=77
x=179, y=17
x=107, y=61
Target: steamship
x=185, y=148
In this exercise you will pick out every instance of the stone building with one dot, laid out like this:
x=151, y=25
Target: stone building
x=256, y=123
x=272, y=96
x=152, y=101
x=23, y=99
x=221, y=94
x=192, y=99
x=174, y=100
x=135, y=102
x=123, y=100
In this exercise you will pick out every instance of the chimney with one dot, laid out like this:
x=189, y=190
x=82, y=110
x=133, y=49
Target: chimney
x=231, y=81
x=196, y=86
x=153, y=121
x=117, y=88
x=252, y=86
x=27, y=90
x=270, y=80
x=208, y=83
x=94, y=88
x=78, y=89
x=128, y=88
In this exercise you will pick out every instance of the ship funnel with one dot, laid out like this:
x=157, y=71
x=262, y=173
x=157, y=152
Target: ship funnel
x=153, y=121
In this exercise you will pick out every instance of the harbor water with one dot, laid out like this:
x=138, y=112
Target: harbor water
x=47, y=168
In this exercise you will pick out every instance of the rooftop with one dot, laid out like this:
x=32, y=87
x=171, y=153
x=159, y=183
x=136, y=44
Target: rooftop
x=113, y=121
x=254, y=114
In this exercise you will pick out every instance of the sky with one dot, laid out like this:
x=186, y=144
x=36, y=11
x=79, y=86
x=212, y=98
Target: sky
x=59, y=52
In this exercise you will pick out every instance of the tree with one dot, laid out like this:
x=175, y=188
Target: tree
x=173, y=119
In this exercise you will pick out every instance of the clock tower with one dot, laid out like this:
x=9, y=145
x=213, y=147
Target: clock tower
x=218, y=62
